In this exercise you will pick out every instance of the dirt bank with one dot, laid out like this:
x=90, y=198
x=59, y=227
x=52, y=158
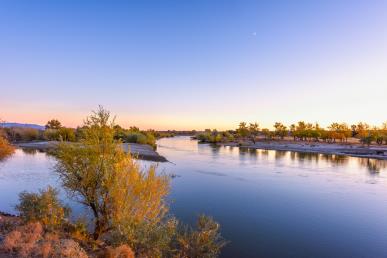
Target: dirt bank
x=140, y=151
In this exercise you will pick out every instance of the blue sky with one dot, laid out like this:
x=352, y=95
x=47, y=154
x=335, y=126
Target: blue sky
x=194, y=64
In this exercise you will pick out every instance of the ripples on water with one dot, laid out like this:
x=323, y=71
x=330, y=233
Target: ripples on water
x=269, y=203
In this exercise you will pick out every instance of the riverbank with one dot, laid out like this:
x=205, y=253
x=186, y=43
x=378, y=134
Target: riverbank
x=140, y=151
x=353, y=150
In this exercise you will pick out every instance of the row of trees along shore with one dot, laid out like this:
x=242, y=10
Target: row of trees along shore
x=301, y=131
x=54, y=131
x=126, y=204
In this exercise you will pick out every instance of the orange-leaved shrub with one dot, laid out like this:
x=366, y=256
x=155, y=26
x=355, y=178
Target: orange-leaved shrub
x=122, y=251
x=5, y=148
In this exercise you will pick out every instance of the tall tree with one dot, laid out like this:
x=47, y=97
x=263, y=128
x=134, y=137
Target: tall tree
x=280, y=130
x=253, y=131
x=53, y=124
x=101, y=176
x=242, y=130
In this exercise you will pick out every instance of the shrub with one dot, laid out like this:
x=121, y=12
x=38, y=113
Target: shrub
x=51, y=134
x=122, y=251
x=43, y=207
x=61, y=134
x=30, y=241
x=21, y=241
x=168, y=238
x=22, y=134
x=212, y=137
x=136, y=137
x=150, y=139
x=204, y=242
x=147, y=239
x=5, y=148
x=67, y=134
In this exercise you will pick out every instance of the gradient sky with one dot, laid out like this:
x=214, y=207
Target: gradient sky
x=194, y=64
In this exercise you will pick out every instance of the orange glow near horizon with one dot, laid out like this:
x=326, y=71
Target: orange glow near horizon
x=157, y=122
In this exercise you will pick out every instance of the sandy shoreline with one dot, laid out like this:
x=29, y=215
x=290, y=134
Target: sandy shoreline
x=140, y=151
x=353, y=150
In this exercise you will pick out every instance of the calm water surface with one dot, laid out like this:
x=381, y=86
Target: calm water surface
x=269, y=203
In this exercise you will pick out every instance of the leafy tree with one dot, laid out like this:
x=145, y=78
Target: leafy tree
x=228, y=136
x=293, y=131
x=134, y=129
x=101, y=176
x=266, y=132
x=363, y=133
x=354, y=130
x=243, y=131
x=340, y=131
x=53, y=124
x=280, y=130
x=253, y=131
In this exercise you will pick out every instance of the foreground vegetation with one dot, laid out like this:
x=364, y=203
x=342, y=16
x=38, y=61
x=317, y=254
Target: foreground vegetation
x=5, y=148
x=336, y=132
x=127, y=207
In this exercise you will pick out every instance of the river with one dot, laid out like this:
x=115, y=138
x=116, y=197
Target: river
x=269, y=203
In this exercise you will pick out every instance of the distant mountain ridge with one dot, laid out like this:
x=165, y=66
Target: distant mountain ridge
x=34, y=126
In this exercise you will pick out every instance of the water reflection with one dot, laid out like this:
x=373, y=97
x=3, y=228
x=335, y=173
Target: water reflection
x=266, y=197
x=30, y=151
x=373, y=166
x=280, y=154
x=260, y=197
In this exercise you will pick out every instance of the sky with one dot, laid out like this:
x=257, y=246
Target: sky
x=194, y=64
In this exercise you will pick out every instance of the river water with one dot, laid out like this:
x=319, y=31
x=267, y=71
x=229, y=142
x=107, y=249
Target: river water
x=269, y=203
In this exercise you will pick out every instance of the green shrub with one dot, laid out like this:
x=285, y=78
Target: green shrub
x=150, y=139
x=212, y=137
x=61, y=134
x=67, y=134
x=51, y=135
x=43, y=207
x=141, y=138
x=136, y=137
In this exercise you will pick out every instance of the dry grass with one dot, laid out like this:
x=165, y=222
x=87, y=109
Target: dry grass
x=122, y=251
x=31, y=241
